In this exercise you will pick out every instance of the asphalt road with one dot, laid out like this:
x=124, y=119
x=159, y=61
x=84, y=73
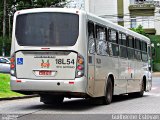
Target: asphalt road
x=81, y=109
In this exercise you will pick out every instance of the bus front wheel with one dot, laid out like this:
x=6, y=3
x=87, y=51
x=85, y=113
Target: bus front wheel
x=140, y=94
x=109, y=92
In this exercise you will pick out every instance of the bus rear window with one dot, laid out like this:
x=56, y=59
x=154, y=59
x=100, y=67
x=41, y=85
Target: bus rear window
x=47, y=29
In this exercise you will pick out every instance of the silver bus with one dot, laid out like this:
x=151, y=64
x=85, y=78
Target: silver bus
x=59, y=52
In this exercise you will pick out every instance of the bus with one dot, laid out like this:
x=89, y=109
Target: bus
x=60, y=52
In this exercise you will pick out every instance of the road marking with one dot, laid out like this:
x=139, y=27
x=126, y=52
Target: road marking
x=153, y=88
x=153, y=94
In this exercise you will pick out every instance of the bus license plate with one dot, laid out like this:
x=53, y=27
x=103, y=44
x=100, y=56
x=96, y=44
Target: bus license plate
x=45, y=73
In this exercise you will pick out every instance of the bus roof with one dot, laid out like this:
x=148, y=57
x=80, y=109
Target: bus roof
x=90, y=17
x=34, y=10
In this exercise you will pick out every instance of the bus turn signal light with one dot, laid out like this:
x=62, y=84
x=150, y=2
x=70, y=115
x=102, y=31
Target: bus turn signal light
x=80, y=61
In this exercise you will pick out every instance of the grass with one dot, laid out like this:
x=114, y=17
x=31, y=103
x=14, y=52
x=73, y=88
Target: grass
x=5, y=91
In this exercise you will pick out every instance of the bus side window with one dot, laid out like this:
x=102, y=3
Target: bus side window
x=122, y=39
x=113, y=45
x=91, y=36
x=144, y=46
x=144, y=51
x=101, y=43
x=112, y=34
x=130, y=48
x=123, y=44
x=138, y=54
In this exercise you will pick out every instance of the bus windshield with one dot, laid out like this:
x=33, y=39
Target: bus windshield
x=47, y=29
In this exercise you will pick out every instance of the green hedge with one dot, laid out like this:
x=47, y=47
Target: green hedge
x=155, y=52
x=156, y=67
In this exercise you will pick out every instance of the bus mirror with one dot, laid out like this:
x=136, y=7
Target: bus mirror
x=149, y=68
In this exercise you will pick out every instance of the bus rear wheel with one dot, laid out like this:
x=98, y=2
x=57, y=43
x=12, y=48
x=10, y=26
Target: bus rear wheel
x=109, y=92
x=51, y=100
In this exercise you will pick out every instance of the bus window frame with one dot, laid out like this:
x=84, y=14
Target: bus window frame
x=136, y=49
x=109, y=29
x=120, y=41
x=94, y=37
x=144, y=50
x=130, y=47
x=135, y=44
x=105, y=40
x=110, y=42
x=132, y=41
x=122, y=45
x=144, y=46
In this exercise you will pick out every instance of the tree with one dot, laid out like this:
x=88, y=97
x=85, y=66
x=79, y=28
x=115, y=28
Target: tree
x=25, y=4
x=13, y=5
x=139, y=30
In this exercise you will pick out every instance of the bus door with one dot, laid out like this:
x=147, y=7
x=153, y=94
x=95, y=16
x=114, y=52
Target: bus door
x=91, y=58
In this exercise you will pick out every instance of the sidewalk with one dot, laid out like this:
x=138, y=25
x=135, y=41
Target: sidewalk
x=22, y=97
x=156, y=74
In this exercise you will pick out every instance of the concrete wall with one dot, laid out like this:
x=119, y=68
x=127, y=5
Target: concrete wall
x=104, y=8
x=126, y=14
x=157, y=21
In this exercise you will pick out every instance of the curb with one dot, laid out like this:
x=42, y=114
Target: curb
x=22, y=97
x=156, y=74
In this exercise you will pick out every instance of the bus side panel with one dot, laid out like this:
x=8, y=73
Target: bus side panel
x=91, y=74
x=100, y=75
x=131, y=82
x=121, y=83
x=104, y=66
x=138, y=75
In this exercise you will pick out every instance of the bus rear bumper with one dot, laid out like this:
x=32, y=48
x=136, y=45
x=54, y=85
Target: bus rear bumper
x=79, y=85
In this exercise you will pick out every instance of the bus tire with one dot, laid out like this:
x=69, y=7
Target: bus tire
x=140, y=94
x=109, y=92
x=51, y=100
